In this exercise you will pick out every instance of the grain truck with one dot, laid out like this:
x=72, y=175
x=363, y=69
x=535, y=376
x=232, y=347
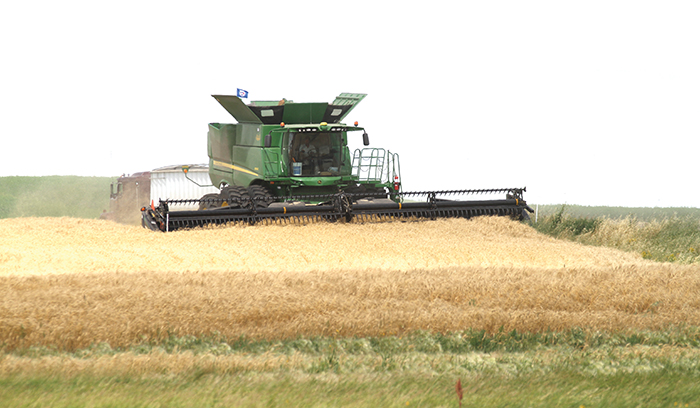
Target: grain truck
x=286, y=160
x=131, y=192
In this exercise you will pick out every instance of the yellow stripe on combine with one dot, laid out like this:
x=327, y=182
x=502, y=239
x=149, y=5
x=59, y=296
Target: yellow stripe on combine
x=233, y=167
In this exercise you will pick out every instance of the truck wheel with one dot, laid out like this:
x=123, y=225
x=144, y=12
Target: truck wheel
x=260, y=196
x=236, y=196
x=209, y=201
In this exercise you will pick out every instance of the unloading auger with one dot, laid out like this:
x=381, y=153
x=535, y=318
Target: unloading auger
x=286, y=162
x=341, y=206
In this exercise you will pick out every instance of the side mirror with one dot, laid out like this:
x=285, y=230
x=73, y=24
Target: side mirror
x=365, y=139
x=268, y=140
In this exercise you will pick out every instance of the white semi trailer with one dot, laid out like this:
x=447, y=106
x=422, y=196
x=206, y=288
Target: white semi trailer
x=132, y=192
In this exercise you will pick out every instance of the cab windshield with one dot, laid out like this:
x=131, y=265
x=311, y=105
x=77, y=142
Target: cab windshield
x=315, y=153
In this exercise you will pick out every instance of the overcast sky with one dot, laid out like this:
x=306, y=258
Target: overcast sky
x=591, y=103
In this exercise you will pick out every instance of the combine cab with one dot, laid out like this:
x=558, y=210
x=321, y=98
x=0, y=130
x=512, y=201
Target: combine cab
x=287, y=161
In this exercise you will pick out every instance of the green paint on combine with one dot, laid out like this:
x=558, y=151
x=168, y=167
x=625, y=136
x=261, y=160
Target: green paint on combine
x=294, y=149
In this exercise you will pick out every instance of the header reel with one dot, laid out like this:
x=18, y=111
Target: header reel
x=362, y=207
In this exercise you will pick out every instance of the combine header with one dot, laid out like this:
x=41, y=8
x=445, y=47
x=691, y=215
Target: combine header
x=286, y=161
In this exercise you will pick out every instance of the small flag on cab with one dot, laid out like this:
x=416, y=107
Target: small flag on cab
x=241, y=93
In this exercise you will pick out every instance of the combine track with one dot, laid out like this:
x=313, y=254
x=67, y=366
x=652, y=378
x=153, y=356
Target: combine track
x=341, y=206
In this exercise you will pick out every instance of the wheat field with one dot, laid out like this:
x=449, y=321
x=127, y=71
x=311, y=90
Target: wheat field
x=69, y=283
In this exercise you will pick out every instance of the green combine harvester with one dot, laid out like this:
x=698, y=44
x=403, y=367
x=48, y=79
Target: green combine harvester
x=287, y=161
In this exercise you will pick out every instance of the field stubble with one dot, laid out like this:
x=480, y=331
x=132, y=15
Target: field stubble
x=68, y=283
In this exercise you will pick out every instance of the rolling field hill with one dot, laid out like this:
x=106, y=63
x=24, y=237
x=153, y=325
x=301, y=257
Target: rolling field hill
x=54, y=196
x=645, y=214
x=98, y=281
